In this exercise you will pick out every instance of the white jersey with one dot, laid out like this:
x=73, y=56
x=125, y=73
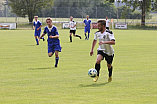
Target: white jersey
x=107, y=23
x=105, y=36
x=72, y=24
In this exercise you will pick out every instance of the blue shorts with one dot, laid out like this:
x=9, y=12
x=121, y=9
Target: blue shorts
x=85, y=30
x=37, y=33
x=53, y=48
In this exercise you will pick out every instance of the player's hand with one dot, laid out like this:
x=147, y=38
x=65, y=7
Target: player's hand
x=37, y=28
x=100, y=43
x=91, y=52
x=50, y=36
x=33, y=28
x=85, y=25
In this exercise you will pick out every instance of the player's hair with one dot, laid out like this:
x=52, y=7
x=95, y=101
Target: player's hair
x=49, y=19
x=35, y=16
x=102, y=22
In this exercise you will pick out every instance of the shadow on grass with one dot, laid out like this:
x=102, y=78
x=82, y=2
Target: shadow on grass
x=94, y=84
x=41, y=68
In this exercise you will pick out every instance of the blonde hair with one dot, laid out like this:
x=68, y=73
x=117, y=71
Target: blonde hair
x=35, y=16
x=49, y=19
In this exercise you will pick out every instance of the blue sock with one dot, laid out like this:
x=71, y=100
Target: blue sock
x=88, y=36
x=57, y=59
x=37, y=41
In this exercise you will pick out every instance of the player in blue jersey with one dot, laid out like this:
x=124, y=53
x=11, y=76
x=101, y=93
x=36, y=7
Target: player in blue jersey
x=53, y=40
x=37, y=26
x=88, y=25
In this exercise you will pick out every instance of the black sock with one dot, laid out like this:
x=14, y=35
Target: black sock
x=110, y=71
x=70, y=38
x=97, y=67
x=85, y=36
x=78, y=36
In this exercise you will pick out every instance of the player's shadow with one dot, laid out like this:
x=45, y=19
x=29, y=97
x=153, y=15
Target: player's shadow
x=41, y=68
x=94, y=84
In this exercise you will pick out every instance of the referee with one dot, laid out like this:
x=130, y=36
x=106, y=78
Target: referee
x=72, y=25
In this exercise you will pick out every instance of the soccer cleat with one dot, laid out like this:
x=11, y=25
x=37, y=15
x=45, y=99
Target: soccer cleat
x=43, y=39
x=37, y=44
x=80, y=37
x=110, y=79
x=55, y=66
x=95, y=78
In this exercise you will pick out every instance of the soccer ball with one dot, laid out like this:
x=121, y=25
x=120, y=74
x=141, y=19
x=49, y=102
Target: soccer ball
x=92, y=72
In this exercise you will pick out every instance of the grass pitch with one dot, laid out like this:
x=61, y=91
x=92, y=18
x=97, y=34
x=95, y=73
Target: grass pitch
x=28, y=76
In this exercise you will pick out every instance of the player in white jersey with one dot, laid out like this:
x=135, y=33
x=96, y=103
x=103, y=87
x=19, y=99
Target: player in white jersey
x=105, y=50
x=107, y=23
x=72, y=25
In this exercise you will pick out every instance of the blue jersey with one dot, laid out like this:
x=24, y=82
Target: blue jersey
x=37, y=24
x=87, y=23
x=52, y=32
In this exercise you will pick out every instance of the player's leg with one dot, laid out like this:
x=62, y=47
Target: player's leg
x=74, y=31
x=70, y=36
x=36, y=37
x=56, y=58
x=88, y=34
x=42, y=37
x=50, y=50
x=85, y=31
x=109, y=60
x=57, y=50
x=98, y=61
x=97, y=66
x=50, y=54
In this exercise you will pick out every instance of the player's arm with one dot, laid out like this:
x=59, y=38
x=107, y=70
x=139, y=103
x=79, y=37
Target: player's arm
x=33, y=27
x=91, y=26
x=56, y=36
x=93, y=45
x=112, y=42
x=109, y=23
x=39, y=27
x=73, y=26
x=84, y=24
x=41, y=36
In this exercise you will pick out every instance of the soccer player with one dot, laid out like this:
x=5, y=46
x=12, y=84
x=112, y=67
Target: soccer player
x=105, y=50
x=107, y=23
x=87, y=26
x=72, y=25
x=37, y=26
x=53, y=40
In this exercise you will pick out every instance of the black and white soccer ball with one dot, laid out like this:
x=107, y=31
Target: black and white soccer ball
x=92, y=72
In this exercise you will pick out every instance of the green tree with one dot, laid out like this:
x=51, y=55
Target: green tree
x=29, y=8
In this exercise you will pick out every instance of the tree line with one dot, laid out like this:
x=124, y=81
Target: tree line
x=80, y=8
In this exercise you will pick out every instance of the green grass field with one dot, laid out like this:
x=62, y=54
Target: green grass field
x=28, y=76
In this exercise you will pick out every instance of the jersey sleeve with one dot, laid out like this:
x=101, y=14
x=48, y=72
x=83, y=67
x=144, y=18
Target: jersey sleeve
x=90, y=21
x=33, y=23
x=45, y=30
x=56, y=32
x=111, y=36
x=74, y=23
x=40, y=23
x=84, y=21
